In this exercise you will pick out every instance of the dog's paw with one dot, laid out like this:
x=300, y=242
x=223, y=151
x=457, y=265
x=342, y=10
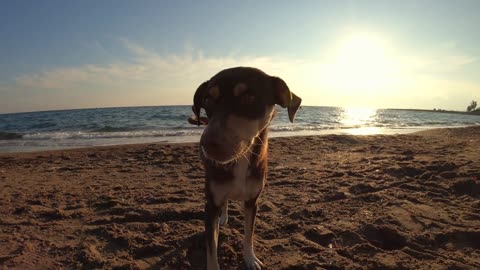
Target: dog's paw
x=252, y=262
x=223, y=219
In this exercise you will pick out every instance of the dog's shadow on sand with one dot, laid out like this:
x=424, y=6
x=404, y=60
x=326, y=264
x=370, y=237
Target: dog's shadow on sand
x=190, y=252
x=196, y=250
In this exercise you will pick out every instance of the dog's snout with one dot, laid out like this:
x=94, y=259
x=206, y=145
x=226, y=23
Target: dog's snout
x=212, y=143
x=213, y=148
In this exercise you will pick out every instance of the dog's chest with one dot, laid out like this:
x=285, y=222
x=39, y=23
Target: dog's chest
x=242, y=187
x=239, y=186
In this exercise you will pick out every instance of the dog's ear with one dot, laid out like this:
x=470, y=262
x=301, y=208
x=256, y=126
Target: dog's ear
x=197, y=102
x=285, y=98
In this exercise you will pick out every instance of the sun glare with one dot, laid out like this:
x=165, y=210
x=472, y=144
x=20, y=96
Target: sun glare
x=359, y=120
x=363, y=63
x=357, y=116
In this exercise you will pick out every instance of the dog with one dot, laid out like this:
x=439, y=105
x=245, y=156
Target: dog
x=239, y=104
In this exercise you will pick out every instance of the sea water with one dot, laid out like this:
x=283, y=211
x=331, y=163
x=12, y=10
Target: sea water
x=110, y=126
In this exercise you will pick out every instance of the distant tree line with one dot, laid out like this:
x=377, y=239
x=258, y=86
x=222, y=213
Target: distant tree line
x=473, y=107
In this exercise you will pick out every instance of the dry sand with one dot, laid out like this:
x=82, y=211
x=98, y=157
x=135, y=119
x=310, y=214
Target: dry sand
x=331, y=202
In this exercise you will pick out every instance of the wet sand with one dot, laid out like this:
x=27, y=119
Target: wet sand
x=331, y=202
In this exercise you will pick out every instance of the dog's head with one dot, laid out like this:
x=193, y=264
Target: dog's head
x=239, y=103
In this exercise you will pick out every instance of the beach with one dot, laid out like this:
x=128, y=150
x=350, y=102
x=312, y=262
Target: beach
x=408, y=201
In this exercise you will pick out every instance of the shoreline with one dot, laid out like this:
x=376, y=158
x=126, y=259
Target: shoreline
x=362, y=131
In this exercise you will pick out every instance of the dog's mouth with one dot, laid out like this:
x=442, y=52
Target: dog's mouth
x=223, y=156
x=229, y=143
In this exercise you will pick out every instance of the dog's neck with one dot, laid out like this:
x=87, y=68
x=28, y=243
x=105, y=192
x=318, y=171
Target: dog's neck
x=259, y=147
x=258, y=159
x=256, y=154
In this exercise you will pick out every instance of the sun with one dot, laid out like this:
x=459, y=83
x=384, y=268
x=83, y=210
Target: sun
x=363, y=63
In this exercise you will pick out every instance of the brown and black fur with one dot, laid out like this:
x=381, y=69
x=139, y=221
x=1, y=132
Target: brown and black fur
x=239, y=103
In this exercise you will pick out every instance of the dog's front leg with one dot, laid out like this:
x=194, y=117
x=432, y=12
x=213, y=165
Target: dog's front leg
x=211, y=233
x=251, y=261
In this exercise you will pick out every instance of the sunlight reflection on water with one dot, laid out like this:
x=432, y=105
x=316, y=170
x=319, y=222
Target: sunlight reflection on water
x=358, y=116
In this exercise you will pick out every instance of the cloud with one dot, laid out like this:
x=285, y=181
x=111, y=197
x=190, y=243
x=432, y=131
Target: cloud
x=151, y=78
x=148, y=68
x=438, y=62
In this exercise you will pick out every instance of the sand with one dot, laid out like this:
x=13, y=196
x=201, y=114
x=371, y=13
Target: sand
x=331, y=202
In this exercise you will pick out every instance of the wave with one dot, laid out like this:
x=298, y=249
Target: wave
x=110, y=134
x=112, y=129
x=172, y=130
x=10, y=136
x=294, y=128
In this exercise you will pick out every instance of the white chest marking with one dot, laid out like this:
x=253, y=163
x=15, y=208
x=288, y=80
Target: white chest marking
x=239, y=189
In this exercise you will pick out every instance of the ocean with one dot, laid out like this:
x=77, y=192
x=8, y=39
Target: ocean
x=32, y=131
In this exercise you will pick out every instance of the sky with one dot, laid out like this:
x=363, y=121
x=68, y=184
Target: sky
x=378, y=54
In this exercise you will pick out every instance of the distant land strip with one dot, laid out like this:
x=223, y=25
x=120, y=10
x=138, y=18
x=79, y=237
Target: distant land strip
x=437, y=111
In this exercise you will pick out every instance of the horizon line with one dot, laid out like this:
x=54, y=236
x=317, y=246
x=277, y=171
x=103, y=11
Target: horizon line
x=179, y=105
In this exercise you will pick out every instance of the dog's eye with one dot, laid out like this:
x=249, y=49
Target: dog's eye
x=206, y=101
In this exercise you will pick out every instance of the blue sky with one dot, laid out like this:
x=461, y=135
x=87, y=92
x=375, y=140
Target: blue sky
x=80, y=54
